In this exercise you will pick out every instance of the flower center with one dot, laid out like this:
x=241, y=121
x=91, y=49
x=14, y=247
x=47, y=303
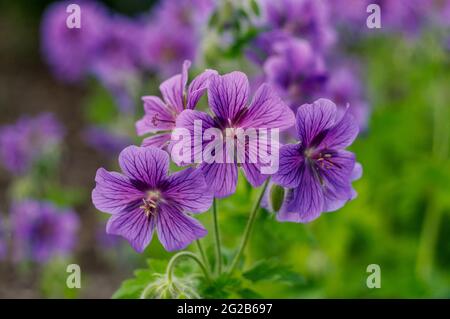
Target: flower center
x=150, y=203
x=309, y=152
x=156, y=120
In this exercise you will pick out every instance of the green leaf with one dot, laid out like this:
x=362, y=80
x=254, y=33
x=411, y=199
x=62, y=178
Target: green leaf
x=248, y=293
x=255, y=7
x=132, y=288
x=222, y=287
x=272, y=270
x=100, y=106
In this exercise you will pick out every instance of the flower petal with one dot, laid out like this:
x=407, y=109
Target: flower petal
x=228, y=94
x=336, y=172
x=187, y=120
x=221, y=177
x=185, y=74
x=267, y=110
x=148, y=165
x=157, y=140
x=342, y=134
x=188, y=189
x=134, y=225
x=157, y=116
x=332, y=203
x=253, y=174
x=177, y=230
x=196, y=123
x=291, y=167
x=306, y=201
x=113, y=192
x=172, y=92
x=197, y=88
x=357, y=172
x=313, y=119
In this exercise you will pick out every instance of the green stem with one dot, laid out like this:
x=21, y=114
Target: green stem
x=433, y=215
x=176, y=257
x=428, y=239
x=202, y=254
x=248, y=228
x=217, y=238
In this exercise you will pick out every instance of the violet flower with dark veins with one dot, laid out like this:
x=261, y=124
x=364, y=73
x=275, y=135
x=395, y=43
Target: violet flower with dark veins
x=318, y=171
x=160, y=115
x=145, y=198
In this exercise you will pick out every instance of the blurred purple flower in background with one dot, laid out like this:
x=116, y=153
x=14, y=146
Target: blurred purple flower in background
x=145, y=197
x=345, y=89
x=306, y=19
x=160, y=116
x=295, y=70
x=228, y=97
x=69, y=51
x=318, y=171
x=187, y=13
x=25, y=141
x=105, y=141
x=164, y=49
x=402, y=16
x=41, y=231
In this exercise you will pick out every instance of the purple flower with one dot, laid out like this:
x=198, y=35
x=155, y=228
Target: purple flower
x=160, y=116
x=228, y=97
x=187, y=13
x=105, y=141
x=295, y=70
x=24, y=142
x=68, y=51
x=265, y=44
x=163, y=49
x=318, y=171
x=144, y=197
x=306, y=19
x=405, y=16
x=42, y=231
x=344, y=88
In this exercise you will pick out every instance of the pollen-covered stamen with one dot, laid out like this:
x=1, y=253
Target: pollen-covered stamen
x=324, y=160
x=155, y=120
x=150, y=203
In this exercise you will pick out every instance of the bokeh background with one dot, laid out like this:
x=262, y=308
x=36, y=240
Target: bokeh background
x=400, y=219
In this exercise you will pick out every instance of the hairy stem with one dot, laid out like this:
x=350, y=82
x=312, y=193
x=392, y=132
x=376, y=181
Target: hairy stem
x=202, y=254
x=178, y=256
x=248, y=228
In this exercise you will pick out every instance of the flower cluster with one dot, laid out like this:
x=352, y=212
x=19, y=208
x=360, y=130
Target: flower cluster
x=297, y=56
x=26, y=141
x=317, y=171
x=398, y=16
x=116, y=49
x=38, y=230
